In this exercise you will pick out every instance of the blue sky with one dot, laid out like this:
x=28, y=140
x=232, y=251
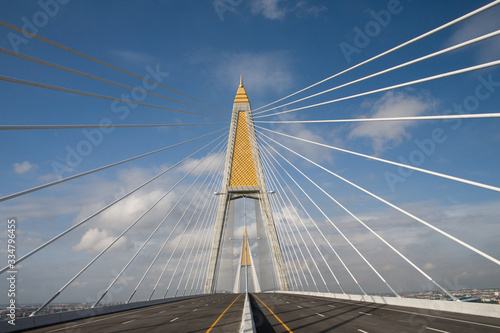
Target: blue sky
x=279, y=46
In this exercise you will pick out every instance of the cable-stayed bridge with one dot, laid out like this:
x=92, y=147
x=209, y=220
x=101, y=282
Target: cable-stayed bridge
x=243, y=201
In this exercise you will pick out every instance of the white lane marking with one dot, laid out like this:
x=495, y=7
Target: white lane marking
x=299, y=306
x=319, y=314
x=126, y=322
x=436, y=330
x=364, y=313
x=162, y=311
x=96, y=320
x=332, y=306
x=422, y=314
x=287, y=302
x=359, y=330
x=206, y=304
x=174, y=319
x=195, y=310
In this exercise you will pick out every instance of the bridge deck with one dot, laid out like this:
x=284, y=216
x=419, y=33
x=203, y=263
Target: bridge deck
x=193, y=315
x=317, y=314
x=290, y=313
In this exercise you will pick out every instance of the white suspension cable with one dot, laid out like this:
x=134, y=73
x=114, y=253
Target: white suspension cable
x=160, y=224
x=387, y=243
x=288, y=231
x=377, y=235
x=66, y=69
x=461, y=180
x=405, y=84
x=97, y=257
x=84, y=93
x=29, y=254
x=203, y=210
x=273, y=181
x=470, y=247
x=178, y=242
x=37, y=188
x=193, y=254
x=442, y=27
x=310, y=218
x=47, y=127
x=439, y=117
x=324, y=237
x=276, y=181
x=357, y=251
x=408, y=63
x=166, y=240
x=207, y=248
x=48, y=41
x=361, y=255
x=205, y=223
x=210, y=217
x=286, y=248
x=202, y=213
x=204, y=249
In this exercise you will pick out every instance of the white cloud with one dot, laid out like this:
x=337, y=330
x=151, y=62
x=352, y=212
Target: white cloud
x=387, y=134
x=278, y=9
x=95, y=240
x=129, y=57
x=429, y=266
x=24, y=167
x=271, y=9
x=207, y=166
x=388, y=268
x=263, y=72
x=79, y=284
x=303, y=9
x=266, y=74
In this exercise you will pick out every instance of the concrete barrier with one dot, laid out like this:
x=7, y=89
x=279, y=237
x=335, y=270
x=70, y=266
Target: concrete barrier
x=58, y=318
x=478, y=309
x=247, y=323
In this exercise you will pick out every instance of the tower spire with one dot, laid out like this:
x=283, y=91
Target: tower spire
x=241, y=94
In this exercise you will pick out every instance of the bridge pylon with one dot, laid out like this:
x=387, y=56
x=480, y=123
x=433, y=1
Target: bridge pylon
x=244, y=178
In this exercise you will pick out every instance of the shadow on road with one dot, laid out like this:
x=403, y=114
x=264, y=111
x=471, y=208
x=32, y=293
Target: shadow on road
x=260, y=319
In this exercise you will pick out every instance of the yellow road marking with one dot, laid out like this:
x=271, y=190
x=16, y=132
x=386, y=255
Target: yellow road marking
x=275, y=316
x=223, y=314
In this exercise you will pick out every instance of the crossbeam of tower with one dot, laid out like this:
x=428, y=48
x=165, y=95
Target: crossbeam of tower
x=243, y=178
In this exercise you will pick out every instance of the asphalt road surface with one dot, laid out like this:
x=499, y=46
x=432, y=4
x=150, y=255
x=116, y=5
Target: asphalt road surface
x=297, y=313
x=216, y=313
x=279, y=313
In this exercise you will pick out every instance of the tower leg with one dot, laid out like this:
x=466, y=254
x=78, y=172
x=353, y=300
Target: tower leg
x=216, y=243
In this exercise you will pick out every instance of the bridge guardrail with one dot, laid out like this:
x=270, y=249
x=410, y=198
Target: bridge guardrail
x=478, y=309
